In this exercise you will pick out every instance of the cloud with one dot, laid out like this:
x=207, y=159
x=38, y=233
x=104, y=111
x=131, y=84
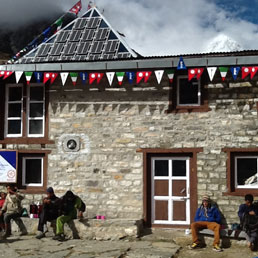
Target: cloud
x=151, y=27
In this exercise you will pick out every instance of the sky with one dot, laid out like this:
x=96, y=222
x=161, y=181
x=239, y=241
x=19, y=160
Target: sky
x=153, y=27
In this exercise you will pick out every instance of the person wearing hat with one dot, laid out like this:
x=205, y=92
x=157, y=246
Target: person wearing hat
x=207, y=216
x=50, y=211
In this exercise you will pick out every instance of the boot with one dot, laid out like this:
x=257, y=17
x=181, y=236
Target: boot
x=7, y=232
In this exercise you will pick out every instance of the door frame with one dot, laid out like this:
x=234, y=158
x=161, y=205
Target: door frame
x=147, y=181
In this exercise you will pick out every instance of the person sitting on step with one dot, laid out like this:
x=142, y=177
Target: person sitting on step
x=12, y=210
x=50, y=211
x=206, y=216
x=70, y=203
x=2, y=200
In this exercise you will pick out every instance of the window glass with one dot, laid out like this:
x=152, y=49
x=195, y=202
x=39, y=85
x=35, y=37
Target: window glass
x=161, y=167
x=33, y=171
x=14, y=127
x=35, y=127
x=178, y=168
x=246, y=172
x=188, y=91
x=14, y=110
x=36, y=110
x=15, y=93
x=36, y=93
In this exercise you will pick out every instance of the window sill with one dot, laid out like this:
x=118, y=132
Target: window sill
x=33, y=190
x=188, y=109
x=242, y=192
x=26, y=141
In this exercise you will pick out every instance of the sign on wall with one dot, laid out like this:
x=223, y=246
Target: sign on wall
x=8, y=166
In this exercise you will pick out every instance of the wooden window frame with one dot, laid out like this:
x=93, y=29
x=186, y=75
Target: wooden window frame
x=32, y=189
x=147, y=202
x=230, y=170
x=23, y=139
x=173, y=96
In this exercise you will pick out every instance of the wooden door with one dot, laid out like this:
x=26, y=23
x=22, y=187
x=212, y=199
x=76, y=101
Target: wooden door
x=170, y=190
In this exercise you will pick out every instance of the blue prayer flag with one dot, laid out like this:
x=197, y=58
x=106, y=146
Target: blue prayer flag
x=39, y=76
x=181, y=64
x=131, y=76
x=235, y=71
x=84, y=77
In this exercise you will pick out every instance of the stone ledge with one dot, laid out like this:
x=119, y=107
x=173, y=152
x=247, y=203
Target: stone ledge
x=113, y=229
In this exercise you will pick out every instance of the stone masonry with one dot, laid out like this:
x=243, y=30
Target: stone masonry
x=113, y=122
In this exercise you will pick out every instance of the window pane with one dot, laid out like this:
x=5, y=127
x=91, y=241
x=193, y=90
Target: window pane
x=14, y=110
x=36, y=110
x=15, y=93
x=188, y=91
x=36, y=93
x=179, y=168
x=161, y=167
x=246, y=171
x=35, y=127
x=14, y=127
x=33, y=171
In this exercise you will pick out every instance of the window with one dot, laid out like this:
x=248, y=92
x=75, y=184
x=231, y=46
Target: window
x=32, y=171
x=188, y=92
x=24, y=111
x=36, y=111
x=246, y=172
x=188, y=96
x=242, y=171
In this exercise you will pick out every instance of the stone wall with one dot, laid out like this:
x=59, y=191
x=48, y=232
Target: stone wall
x=113, y=122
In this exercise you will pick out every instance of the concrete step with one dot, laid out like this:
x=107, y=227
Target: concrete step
x=93, y=229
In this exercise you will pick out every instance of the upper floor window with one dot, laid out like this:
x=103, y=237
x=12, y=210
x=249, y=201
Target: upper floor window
x=188, y=92
x=188, y=96
x=25, y=110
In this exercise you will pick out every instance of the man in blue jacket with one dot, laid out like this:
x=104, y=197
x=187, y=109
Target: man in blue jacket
x=206, y=216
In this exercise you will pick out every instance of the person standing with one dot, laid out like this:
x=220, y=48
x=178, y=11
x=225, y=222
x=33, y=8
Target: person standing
x=12, y=210
x=70, y=204
x=50, y=211
x=247, y=214
x=206, y=216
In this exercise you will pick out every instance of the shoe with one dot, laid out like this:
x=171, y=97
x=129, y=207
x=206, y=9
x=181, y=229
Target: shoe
x=40, y=235
x=24, y=233
x=217, y=248
x=59, y=237
x=194, y=246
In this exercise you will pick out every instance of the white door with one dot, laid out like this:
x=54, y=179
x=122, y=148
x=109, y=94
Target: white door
x=170, y=190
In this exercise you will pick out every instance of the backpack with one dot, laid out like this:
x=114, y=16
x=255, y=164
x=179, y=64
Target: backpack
x=249, y=223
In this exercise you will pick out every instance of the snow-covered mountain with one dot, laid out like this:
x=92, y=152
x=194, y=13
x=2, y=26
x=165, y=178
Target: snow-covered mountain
x=222, y=43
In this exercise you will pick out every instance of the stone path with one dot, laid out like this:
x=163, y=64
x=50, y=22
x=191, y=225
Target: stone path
x=29, y=247
x=151, y=246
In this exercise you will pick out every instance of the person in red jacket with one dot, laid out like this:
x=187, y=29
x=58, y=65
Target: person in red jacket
x=2, y=200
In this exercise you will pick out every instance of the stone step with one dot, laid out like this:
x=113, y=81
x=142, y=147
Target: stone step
x=110, y=229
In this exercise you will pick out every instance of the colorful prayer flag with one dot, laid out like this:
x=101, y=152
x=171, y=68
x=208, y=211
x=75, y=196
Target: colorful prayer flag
x=74, y=77
x=120, y=77
x=38, y=76
x=130, y=76
x=76, y=8
x=159, y=74
x=64, y=77
x=110, y=76
x=181, y=64
x=7, y=74
x=83, y=76
x=211, y=72
x=223, y=72
x=18, y=76
x=170, y=74
x=28, y=76
x=235, y=72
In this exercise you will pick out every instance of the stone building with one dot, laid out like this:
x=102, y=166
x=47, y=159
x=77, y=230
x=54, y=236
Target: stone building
x=135, y=151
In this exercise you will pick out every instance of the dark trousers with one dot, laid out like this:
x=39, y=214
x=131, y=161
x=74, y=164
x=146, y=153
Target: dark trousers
x=44, y=216
x=16, y=217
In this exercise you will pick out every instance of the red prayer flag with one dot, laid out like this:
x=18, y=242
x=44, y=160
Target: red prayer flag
x=7, y=74
x=199, y=73
x=53, y=77
x=253, y=71
x=92, y=77
x=139, y=76
x=46, y=77
x=2, y=73
x=76, y=8
x=147, y=76
x=191, y=74
x=99, y=77
x=245, y=71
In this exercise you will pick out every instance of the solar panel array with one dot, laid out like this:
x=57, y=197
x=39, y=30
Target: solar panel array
x=88, y=38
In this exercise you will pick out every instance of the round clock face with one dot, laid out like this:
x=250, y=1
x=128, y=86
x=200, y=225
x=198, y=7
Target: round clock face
x=71, y=144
